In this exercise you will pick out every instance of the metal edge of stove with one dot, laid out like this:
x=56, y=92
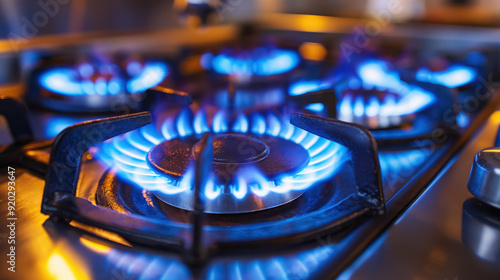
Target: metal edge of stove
x=449, y=220
x=148, y=38
x=271, y=22
x=339, y=25
x=365, y=234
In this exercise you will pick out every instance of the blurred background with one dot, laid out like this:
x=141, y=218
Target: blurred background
x=27, y=25
x=65, y=16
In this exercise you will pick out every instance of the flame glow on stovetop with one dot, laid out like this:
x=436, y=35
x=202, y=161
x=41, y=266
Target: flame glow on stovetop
x=128, y=153
x=454, y=76
x=259, y=62
x=302, y=265
x=65, y=80
x=372, y=74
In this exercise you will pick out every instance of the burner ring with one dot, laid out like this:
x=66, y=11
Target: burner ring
x=234, y=155
x=274, y=157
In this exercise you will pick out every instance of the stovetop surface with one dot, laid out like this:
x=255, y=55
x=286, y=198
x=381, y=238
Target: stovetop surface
x=424, y=240
x=429, y=241
x=70, y=250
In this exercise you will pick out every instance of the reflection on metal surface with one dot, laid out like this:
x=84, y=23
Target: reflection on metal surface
x=302, y=265
x=481, y=230
x=94, y=246
x=62, y=268
x=397, y=166
x=434, y=219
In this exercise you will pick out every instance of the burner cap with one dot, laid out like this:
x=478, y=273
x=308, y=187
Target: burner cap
x=227, y=149
x=274, y=157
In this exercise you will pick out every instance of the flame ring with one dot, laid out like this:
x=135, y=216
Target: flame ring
x=127, y=154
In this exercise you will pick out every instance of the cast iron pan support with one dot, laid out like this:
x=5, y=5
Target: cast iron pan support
x=203, y=162
x=17, y=119
x=64, y=165
x=447, y=106
x=59, y=197
x=325, y=96
x=158, y=94
x=362, y=147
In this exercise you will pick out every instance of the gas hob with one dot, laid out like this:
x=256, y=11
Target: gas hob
x=261, y=162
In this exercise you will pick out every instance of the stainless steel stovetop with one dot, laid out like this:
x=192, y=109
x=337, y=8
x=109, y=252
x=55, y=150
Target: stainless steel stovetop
x=315, y=198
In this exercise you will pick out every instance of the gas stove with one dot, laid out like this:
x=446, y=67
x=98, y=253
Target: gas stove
x=267, y=156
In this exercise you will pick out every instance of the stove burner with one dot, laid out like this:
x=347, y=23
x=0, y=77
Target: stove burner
x=246, y=63
x=282, y=163
x=83, y=81
x=351, y=193
x=454, y=76
x=376, y=106
x=274, y=156
x=381, y=108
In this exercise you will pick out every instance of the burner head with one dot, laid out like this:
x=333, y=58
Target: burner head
x=274, y=157
x=227, y=149
x=233, y=155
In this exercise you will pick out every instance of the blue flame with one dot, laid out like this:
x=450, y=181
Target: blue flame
x=454, y=76
x=55, y=124
x=127, y=153
x=259, y=62
x=376, y=74
x=373, y=74
x=316, y=107
x=65, y=81
x=301, y=87
x=152, y=74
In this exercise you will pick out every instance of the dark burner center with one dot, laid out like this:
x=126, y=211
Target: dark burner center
x=234, y=148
